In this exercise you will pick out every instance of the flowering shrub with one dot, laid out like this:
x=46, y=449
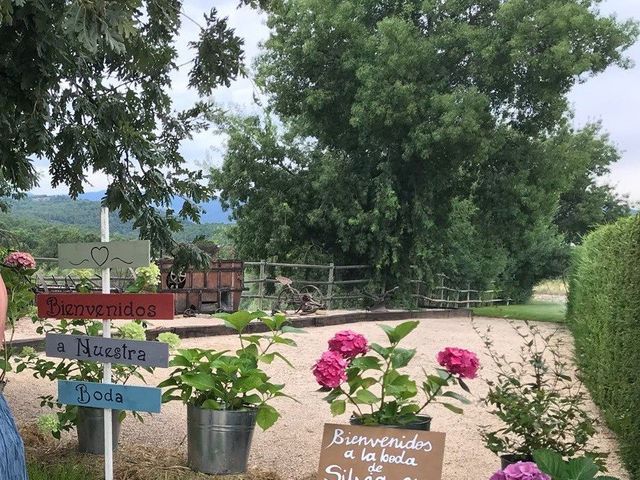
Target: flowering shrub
x=348, y=344
x=21, y=260
x=147, y=279
x=520, y=471
x=331, y=370
x=363, y=374
x=73, y=369
x=16, y=270
x=169, y=338
x=539, y=405
x=133, y=331
x=459, y=361
x=48, y=423
x=557, y=468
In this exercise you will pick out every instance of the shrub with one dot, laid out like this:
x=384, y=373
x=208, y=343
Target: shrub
x=604, y=312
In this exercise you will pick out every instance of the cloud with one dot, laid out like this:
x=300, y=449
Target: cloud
x=612, y=97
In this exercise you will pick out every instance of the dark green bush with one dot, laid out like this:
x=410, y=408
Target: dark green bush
x=604, y=312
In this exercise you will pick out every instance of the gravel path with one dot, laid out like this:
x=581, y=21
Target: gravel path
x=291, y=447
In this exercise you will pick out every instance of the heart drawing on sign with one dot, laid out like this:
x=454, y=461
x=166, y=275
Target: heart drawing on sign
x=100, y=255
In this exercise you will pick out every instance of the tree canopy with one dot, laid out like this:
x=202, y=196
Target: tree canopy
x=87, y=85
x=401, y=118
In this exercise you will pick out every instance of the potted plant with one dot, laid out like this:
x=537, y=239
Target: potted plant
x=548, y=465
x=538, y=404
x=227, y=393
x=88, y=422
x=370, y=376
x=16, y=273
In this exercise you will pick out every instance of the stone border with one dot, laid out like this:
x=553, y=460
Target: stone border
x=310, y=321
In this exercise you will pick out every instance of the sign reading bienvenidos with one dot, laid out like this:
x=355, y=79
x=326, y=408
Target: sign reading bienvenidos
x=110, y=395
x=352, y=452
x=99, y=255
x=108, y=350
x=125, y=306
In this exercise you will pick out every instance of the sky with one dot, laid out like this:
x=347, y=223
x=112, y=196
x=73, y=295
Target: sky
x=612, y=97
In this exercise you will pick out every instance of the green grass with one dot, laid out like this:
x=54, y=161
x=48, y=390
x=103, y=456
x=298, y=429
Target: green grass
x=63, y=471
x=533, y=311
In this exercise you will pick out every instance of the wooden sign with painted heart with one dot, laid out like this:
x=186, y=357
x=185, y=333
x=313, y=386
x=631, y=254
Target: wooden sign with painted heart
x=99, y=255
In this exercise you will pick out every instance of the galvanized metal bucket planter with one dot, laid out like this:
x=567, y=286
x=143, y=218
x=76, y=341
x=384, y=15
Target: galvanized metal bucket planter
x=219, y=440
x=91, y=430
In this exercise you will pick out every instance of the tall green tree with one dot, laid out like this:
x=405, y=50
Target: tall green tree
x=393, y=111
x=87, y=86
x=589, y=202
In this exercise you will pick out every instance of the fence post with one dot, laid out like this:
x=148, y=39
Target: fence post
x=330, y=284
x=441, y=291
x=468, y=295
x=263, y=264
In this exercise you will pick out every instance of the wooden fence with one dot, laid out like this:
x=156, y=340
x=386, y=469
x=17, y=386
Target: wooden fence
x=340, y=285
x=327, y=287
x=443, y=296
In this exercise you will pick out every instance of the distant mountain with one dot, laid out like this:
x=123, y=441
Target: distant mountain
x=213, y=209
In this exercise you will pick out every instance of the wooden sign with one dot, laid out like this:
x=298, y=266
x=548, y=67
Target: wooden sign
x=100, y=255
x=113, y=396
x=108, y=350
x=126, y=306
x=377, y=453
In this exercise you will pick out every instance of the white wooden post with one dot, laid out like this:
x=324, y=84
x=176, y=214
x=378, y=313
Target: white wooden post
x=106, y=333
x=330, y=285
x=263, y=279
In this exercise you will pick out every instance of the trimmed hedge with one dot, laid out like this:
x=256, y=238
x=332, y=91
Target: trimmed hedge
x=604, y=312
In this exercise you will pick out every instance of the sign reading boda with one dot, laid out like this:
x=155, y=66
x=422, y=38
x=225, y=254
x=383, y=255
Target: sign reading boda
x=352, y=452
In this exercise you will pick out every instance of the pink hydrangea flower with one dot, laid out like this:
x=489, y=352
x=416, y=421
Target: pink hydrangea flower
x=521, y=471
x=19, y=260
x=459, y=361
x=330, y=370
x=349, y=344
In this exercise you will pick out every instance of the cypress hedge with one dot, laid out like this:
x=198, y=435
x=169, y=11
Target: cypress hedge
x=604, y=313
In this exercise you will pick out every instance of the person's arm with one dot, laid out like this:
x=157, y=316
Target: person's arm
x=4, y=304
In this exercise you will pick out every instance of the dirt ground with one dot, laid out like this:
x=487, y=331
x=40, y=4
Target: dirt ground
x=291, y=447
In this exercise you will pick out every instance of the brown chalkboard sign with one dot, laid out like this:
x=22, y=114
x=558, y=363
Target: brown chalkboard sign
x=352, y=452
x=99, y=255
x=125, y=306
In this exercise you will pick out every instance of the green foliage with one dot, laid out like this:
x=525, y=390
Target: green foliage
x=72, y=369
x=19, y=284
x=532, y=311
x=375, y=380
x=87, y=86
x=406, y=125
x=582, y=468
x=585, y=204
x=538, y=404
x=63, y=471
x=233, y=381
x=604, y=314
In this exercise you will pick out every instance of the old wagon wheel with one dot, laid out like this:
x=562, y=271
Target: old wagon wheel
x=176, y=281
x=311, y=298
x=288, y=299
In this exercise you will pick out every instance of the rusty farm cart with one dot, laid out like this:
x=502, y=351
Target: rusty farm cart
x=217, y=289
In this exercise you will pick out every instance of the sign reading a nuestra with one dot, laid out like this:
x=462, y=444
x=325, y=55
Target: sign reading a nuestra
x=125, y=306
x=100, y=255
x=376, y=453
x=109, y=395
x=108, y=350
